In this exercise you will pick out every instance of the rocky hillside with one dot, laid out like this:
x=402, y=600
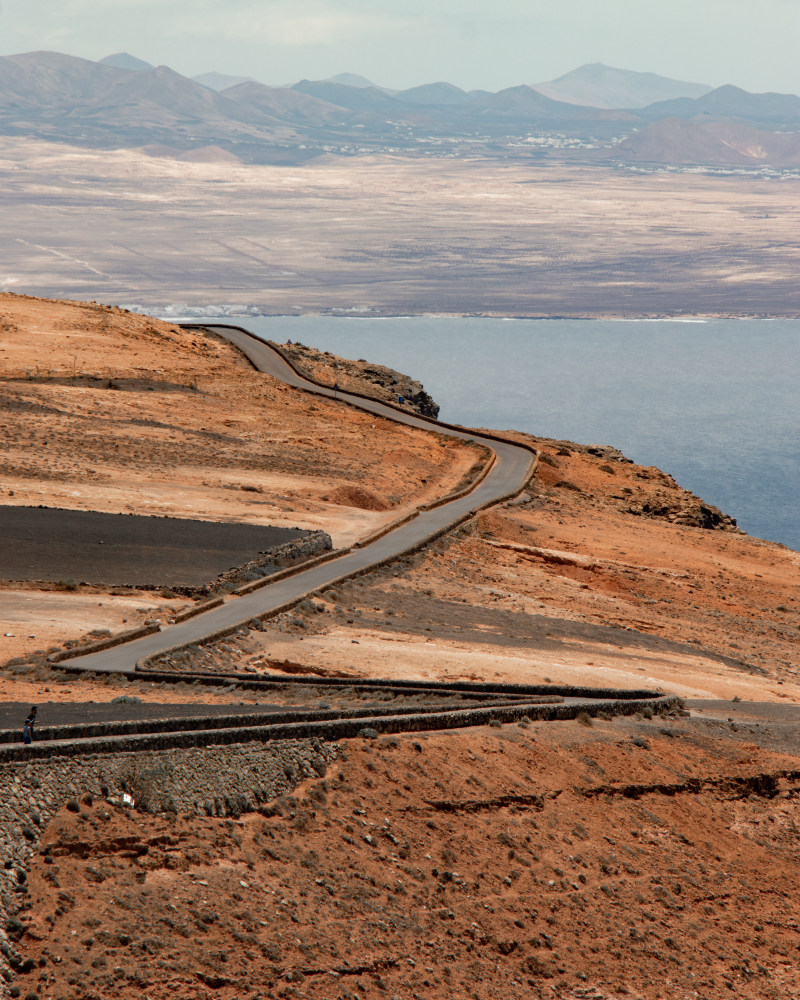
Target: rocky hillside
x=585, y=860
x=632, y=857
x=362, y=376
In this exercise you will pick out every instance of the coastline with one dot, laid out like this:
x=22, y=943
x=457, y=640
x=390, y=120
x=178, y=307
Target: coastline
x=195, y=314
x=687, y=399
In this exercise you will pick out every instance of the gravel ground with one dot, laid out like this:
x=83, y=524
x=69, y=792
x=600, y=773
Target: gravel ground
x=770, y=725
x=125, y=549
x=12, y=714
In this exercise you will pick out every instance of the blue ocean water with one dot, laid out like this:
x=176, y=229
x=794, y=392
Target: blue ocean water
x=713, y=402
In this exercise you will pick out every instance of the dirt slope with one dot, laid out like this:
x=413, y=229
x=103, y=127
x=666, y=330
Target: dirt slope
x=602, y=573
x=102, y=409
x=631, y=859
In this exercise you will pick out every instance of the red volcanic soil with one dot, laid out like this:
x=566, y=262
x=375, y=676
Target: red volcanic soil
x=631, y=858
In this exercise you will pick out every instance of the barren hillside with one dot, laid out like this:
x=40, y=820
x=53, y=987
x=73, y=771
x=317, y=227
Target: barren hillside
x=643, y=857
x=107, y=410
x=635, y=858
x=603, y=572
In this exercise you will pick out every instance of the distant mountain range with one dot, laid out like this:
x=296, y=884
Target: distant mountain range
x=599, y=86
x=221, y=81
x=124, y=101
x=214, y=81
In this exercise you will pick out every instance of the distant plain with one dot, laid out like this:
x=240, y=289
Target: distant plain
x=387, y=235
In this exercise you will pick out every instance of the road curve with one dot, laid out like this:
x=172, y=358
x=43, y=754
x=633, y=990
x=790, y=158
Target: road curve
x=507, y=476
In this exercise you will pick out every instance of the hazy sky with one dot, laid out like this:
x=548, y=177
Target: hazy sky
x=399, y=43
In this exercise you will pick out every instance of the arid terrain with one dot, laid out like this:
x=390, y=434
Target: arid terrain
x=105, y=410
x=391, y=235
x=627, y=859
x=602, y=572
x=644, y=857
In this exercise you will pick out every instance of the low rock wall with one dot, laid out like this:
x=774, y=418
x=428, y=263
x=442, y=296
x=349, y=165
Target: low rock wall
x=313, y=543
x=207, y=773
x=217, y=780
x=97, y=647
x=133, y=727
x=344, y=727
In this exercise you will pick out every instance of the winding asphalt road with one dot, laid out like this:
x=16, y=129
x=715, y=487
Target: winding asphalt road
x=507, y=477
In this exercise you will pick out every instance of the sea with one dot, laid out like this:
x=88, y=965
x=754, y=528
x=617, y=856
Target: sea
x=713, y=402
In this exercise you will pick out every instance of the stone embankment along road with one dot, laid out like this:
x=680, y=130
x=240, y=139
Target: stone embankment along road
x=507, y=476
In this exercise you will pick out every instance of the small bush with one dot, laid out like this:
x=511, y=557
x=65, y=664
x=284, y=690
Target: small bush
x=584, y=719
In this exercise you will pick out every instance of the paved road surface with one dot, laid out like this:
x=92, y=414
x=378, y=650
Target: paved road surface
x=508, y=475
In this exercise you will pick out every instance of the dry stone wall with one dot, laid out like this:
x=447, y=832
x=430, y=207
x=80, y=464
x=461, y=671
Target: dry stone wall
x=216, y=780
x=313, y=543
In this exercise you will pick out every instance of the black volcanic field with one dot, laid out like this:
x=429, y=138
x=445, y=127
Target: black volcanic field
x=53, y=545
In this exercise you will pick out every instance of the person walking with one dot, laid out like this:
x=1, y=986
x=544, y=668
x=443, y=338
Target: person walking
x=30, y=722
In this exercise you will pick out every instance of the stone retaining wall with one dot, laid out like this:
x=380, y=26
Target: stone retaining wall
x=213, y=781
x=211, y=773
x=97, y=647
x=313, y=543
x=167, y=724
x=329, y=729
x=293, y=570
